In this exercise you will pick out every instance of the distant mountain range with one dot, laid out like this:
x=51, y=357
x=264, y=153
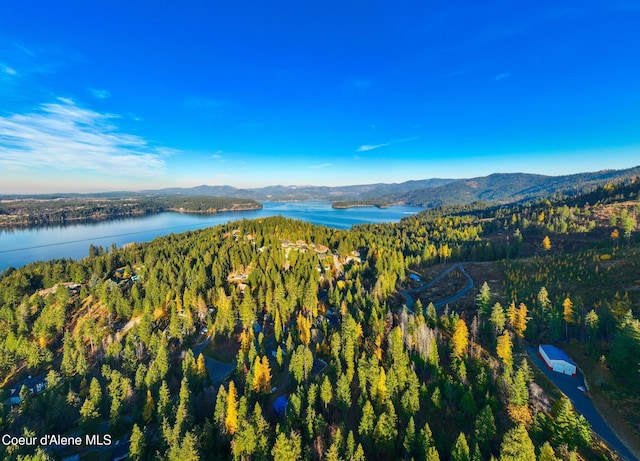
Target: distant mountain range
x=511, y=187
x=497, y=187
x=305, y=192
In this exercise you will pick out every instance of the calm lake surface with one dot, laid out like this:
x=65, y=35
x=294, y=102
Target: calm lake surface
x=19, y=247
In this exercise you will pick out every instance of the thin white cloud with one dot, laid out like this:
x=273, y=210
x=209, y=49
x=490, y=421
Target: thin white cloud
x=100, y=94
x=217, y=155
x=322, y=165
x=63, y=136
x=8, y=70
x=502, y=76
x=368, y=147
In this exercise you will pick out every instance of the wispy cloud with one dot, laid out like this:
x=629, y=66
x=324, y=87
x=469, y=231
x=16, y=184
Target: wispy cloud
x=322, y=165
x=8, y=70
x=217, y=155
x=100, y=94
x=502, y=76
x=368, y=147
x=64, y=136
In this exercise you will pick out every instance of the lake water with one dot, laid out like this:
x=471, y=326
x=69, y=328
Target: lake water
x=22, y=246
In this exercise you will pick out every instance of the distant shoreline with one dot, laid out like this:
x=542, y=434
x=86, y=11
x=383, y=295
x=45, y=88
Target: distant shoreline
x=25, y=220
x=347, y=205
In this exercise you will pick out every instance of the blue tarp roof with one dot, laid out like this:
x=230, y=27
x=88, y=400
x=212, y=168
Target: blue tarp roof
x=555, y=354
x=280, y=405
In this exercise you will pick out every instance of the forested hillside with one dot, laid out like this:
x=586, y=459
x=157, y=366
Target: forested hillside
x=278, y=339
x=512, y=187
x=31, y=212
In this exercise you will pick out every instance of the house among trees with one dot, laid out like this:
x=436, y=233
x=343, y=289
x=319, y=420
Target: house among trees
x=280, y=405
x=36, y=385
x=557, y=360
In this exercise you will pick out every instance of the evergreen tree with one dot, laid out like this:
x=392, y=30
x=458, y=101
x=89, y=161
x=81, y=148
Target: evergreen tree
x=343, y=392
x=409, y=438
x=149, y=408
x=186, y=450
x=367, y=420
x=484, y=428
x=517, y=445
x=483, y=299
x=385, y=431
x=546, y=453
x=460, y=449
x=164, y=401
x=220, y=410
x=137, y=444
x=326, y=392
x=184, y=412
x=498, y=318
x=287, y=447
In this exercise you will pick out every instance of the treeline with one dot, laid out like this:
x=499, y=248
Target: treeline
x=30, y=212
x=361, y=203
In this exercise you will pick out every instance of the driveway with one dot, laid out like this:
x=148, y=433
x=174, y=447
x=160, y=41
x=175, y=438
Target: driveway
x=569, y=387
x=410, y=301
x=217, y=370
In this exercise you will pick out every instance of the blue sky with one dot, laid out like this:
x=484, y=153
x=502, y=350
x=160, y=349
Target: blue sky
x=131, y=95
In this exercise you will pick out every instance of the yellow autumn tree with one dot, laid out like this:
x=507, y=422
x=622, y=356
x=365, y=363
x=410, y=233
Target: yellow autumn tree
x=261, y=375
x=546, y=243
x=381, y=388
x=503, y=349
x=460, y=338
x=201, y=366
x=512, y=314
x=304, y=329
x=567, y=314
x=521, y=320
x=231, y=418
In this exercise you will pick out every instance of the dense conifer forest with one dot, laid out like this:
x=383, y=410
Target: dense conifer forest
x=278, y=339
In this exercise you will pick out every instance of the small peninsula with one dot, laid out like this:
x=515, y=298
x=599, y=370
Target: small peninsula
x=343, y=205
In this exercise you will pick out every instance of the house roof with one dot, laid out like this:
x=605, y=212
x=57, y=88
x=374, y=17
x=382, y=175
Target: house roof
x=280, y=405
x=30, y=382
x=555, y=354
